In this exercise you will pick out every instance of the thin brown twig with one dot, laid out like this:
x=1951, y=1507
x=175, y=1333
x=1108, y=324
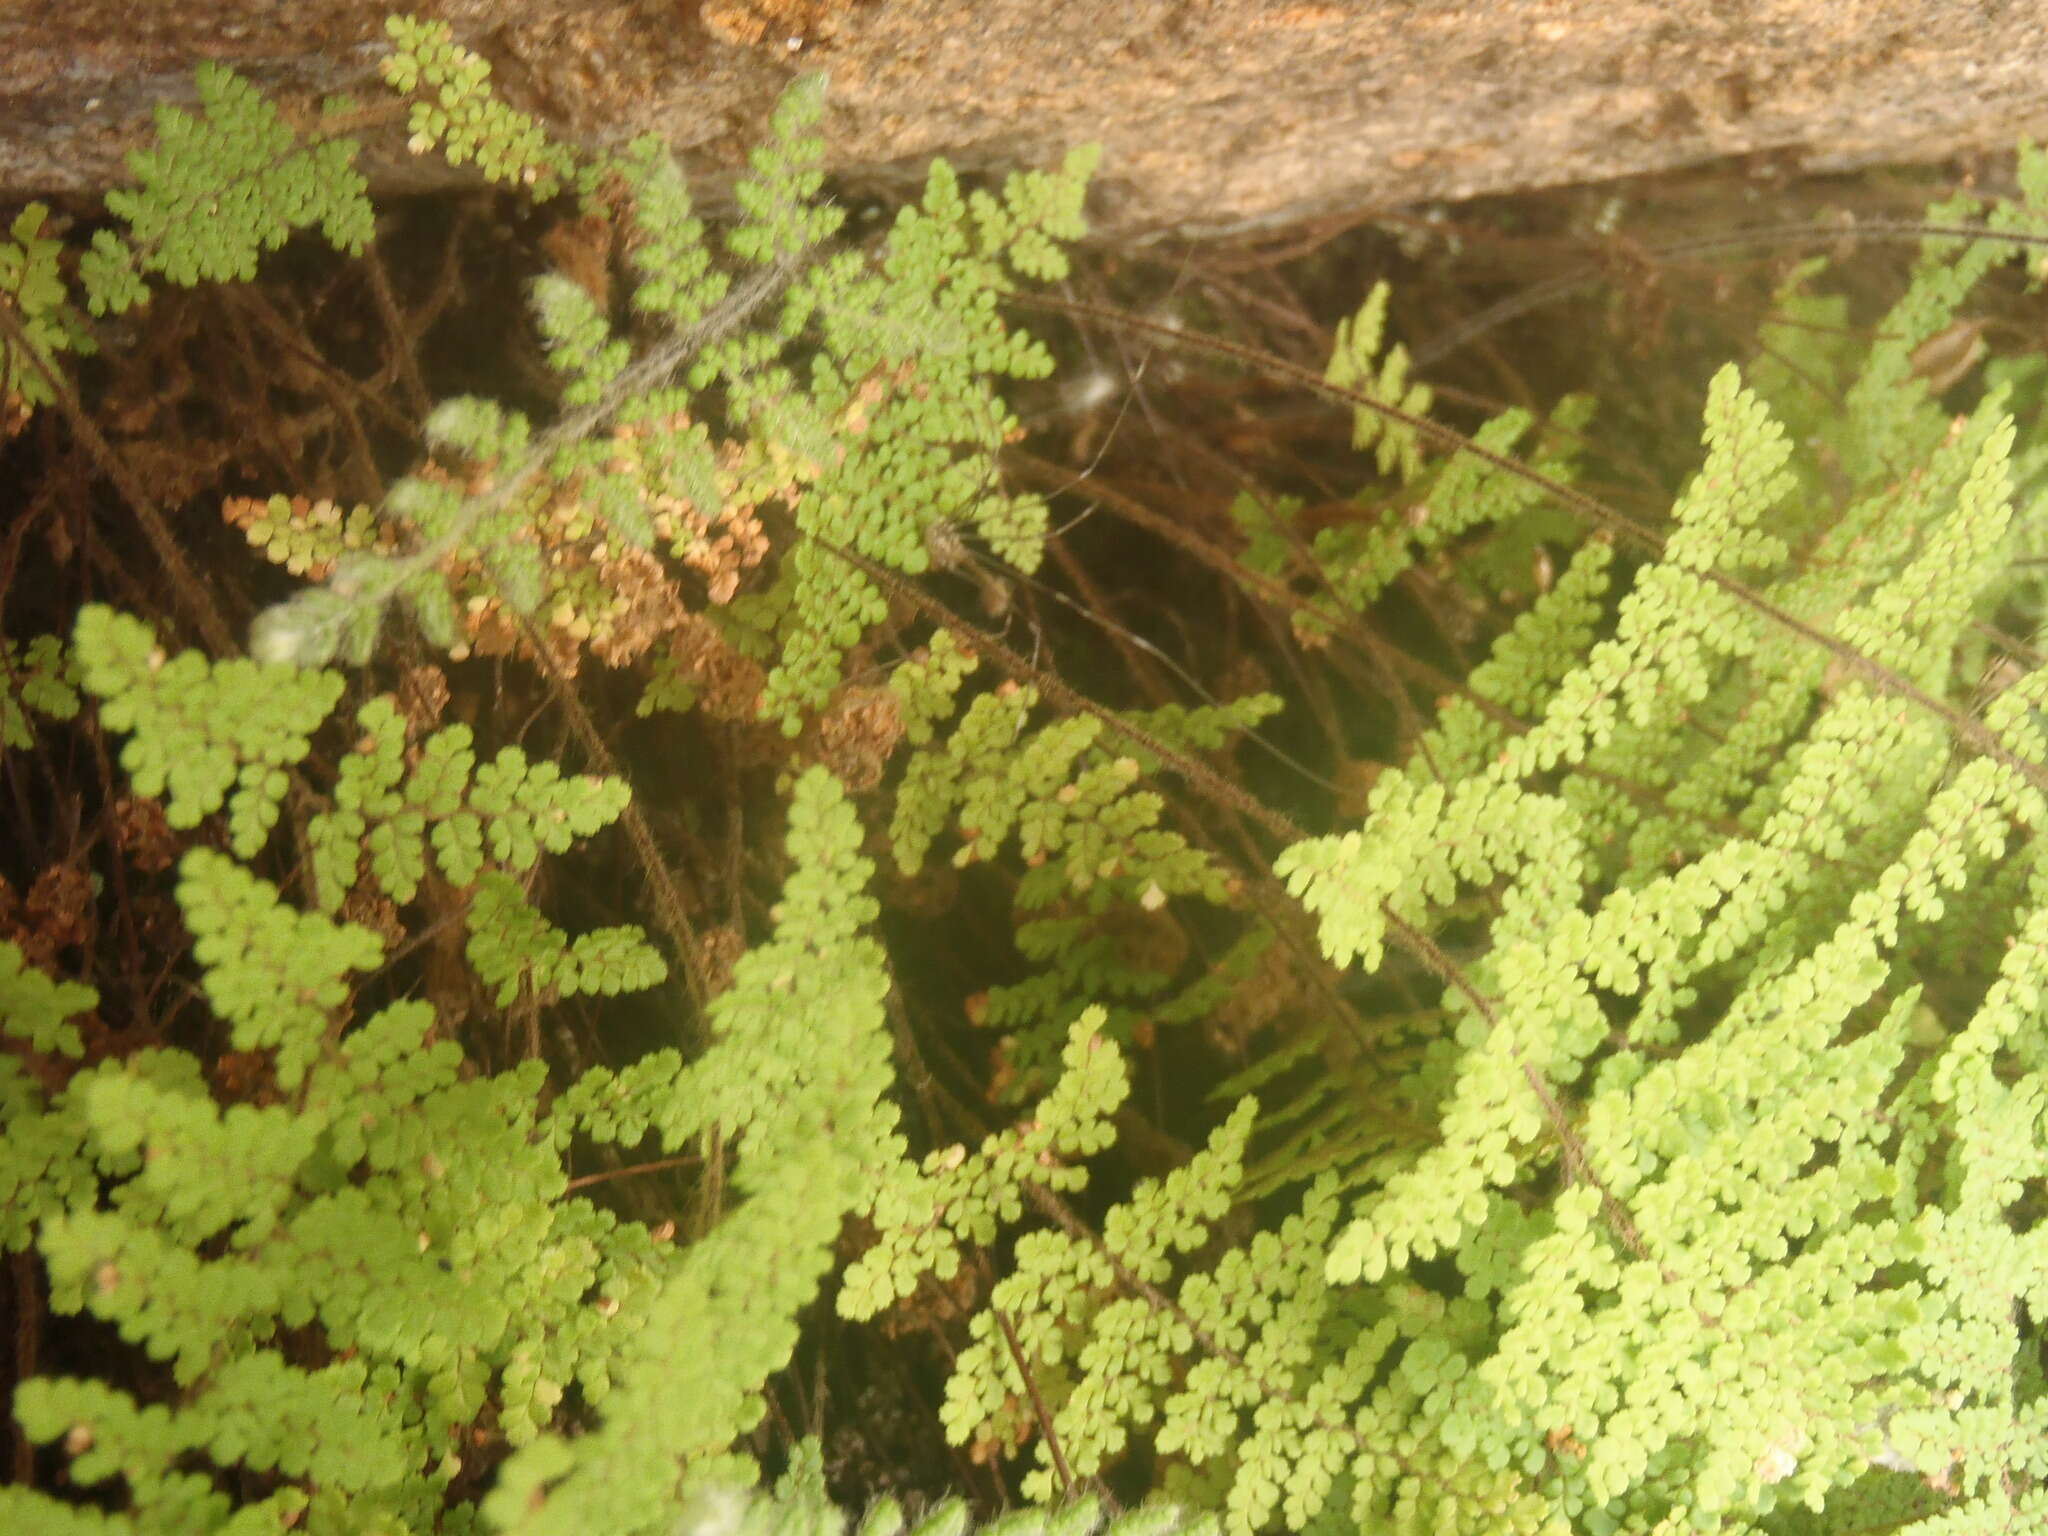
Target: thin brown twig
x=1605, y=519
x=633, y=1170
x=184, y=581
x=1440, y=346
x=1045, y=1425
x=1212, y=784
x=670, y=909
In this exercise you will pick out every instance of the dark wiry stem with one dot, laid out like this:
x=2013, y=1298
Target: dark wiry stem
x=1609, y=522
x=1223, y=792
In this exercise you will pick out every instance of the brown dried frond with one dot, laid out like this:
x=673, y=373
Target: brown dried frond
x=722, y=546
x=491, y=632
x=581, y=249
x=646, y=605
x=720, y=948
x=728, y=683
x=245, y=1077
x=60, y=905
x=422, y=698
x=368, y=907
x=857, y=735
x=21, y=928
x=142, y=833
x=1273, y=989
x=723, y=549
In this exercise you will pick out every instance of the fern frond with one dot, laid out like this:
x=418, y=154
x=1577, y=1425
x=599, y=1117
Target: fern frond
x=209, y=733
x=33, y=283
x=217, y=190
x=923, y=1215
x=797, y=1070
x=455, y=113
x=798, y=1506
x=40, y=677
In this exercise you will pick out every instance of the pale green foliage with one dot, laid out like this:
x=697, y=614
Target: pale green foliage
x=1071, y=807
x=677, y=276
x=224, y=733
x=454, y=112
x=779, y=213
x=1432, y=509
x=257, y=952
x=922, y=315
x=799, y=1506
x=414, y=1217
x=889, y=425
x=797, y=1071
x=923, y=1214
x=1355, y=363
x=31, y=280
x=1206, y=727
x=1729, y=1215
x=1467, y=493
x=927, y=686
x=305, y=537
x=579, y=342
x=38, y=1009
x=481, y=825
x=1748, y=1178
x=512, y=947
x=1073, y=811
x=1089, y=836
x=203, y=733
x=39, y=678
x=1702, y=1194
x=215, y=191
x=1058, y=1302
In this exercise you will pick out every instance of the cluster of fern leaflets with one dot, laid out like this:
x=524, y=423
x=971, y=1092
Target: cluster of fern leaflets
x=517, y=536
x=887, y=429
x=368, y=1247
x=1702, y=1192
x=1730, y=1217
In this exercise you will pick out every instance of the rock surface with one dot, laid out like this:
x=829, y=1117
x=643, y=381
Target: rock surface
x=1217, y=116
